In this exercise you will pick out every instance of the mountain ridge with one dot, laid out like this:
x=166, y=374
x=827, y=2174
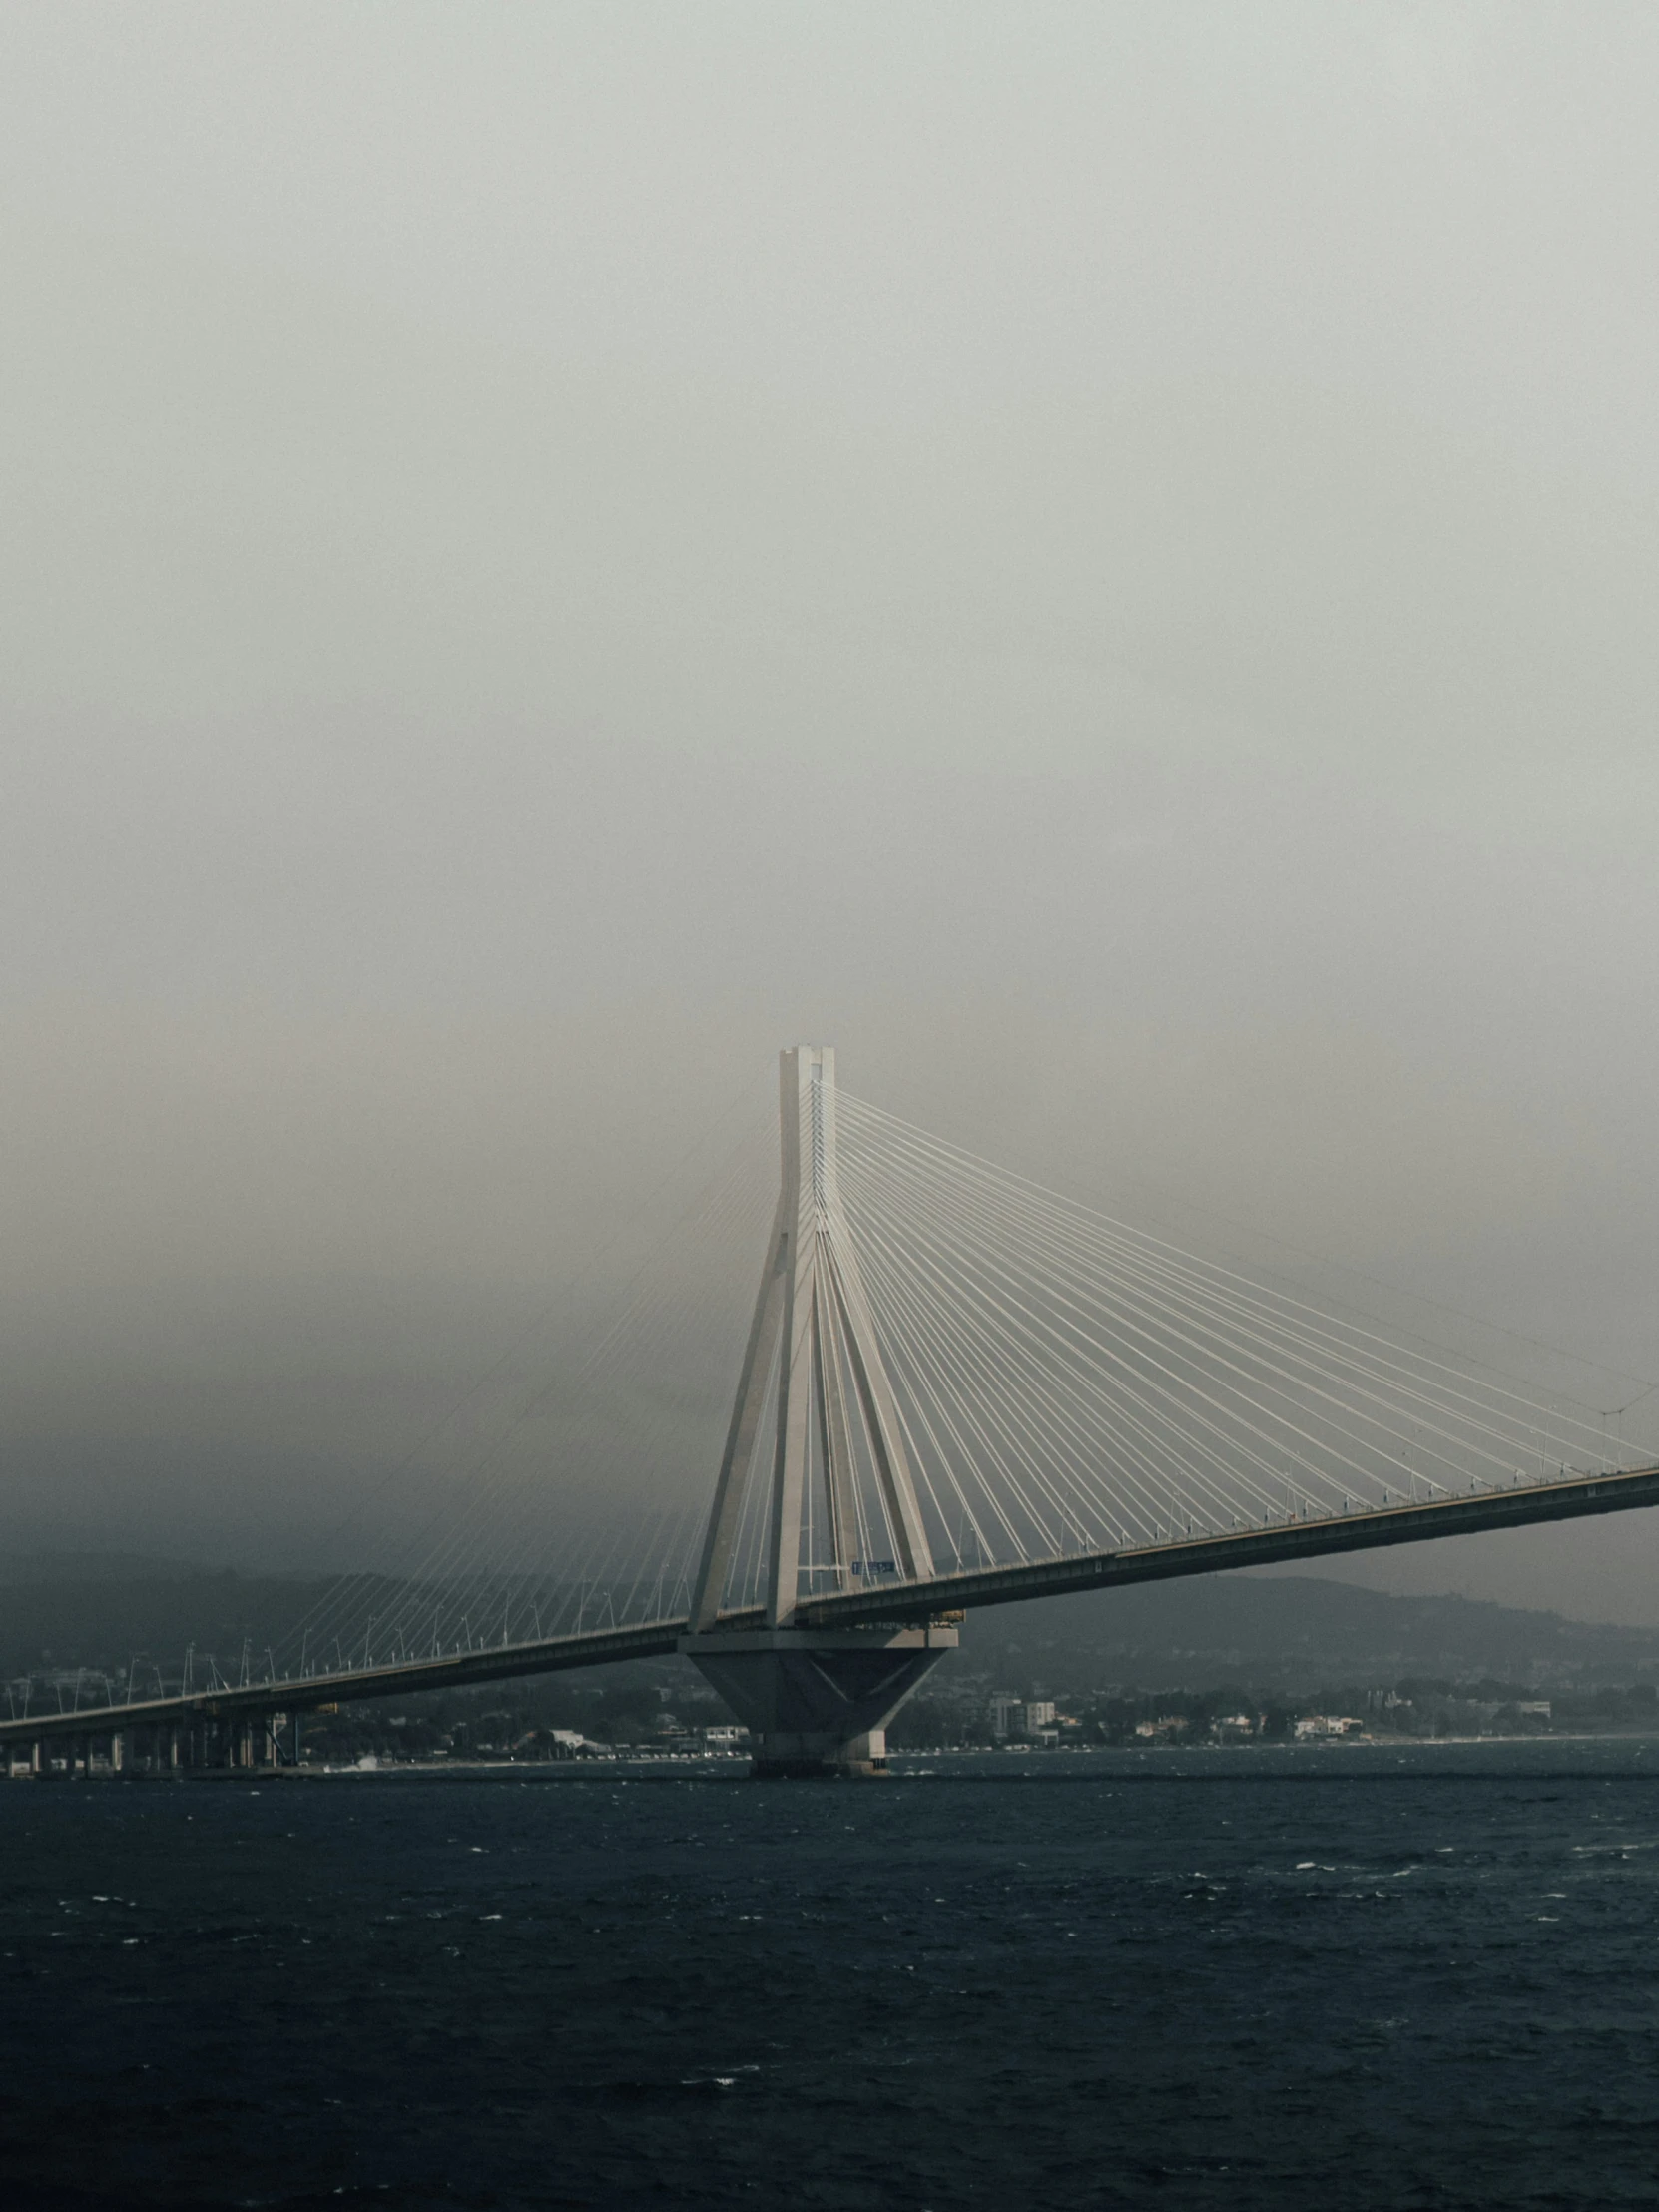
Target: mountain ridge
x=1277, y=1631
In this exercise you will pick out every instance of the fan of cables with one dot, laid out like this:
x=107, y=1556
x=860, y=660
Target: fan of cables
x=1069, y=1384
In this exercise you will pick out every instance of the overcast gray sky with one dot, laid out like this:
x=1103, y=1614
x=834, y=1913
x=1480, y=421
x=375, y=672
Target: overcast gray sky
x=1100, y=558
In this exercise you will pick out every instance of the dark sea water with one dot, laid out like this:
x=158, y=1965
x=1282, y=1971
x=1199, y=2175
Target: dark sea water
x=1318, y=1980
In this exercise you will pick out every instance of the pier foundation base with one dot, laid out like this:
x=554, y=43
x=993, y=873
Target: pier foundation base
x=817, y=1702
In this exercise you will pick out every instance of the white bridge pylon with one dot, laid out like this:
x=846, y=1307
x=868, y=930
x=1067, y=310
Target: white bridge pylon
x=836, y=1413
x=815, y=1700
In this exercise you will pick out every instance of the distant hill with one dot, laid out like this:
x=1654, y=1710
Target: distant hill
x=22, y=1570
x=1274, y=1632
x=103, y=1614
x=1293, y=1632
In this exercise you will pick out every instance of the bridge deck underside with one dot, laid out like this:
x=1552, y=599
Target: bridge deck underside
x=1479, y=1513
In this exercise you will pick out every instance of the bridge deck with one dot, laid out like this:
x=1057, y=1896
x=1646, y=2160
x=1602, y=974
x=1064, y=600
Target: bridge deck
x=1481, y=1511
x=1475, y=1515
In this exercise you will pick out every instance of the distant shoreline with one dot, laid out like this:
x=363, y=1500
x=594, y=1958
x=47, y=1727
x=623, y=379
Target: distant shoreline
x=728, y=1762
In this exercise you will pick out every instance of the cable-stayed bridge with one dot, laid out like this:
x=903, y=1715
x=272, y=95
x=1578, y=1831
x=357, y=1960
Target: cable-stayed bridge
x=956, y=1389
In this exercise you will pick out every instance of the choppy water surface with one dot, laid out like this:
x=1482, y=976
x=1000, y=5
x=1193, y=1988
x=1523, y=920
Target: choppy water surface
x=1321, y=1978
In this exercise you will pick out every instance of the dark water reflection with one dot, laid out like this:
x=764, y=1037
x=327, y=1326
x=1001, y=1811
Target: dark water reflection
x=1320, y=1979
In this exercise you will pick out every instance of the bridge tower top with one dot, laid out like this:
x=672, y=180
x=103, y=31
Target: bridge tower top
x=806, y=1123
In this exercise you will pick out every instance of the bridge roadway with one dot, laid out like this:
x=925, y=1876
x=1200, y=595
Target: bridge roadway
x=900, y=1603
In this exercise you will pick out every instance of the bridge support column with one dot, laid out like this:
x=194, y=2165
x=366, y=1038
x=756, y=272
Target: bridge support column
x=817, y=1702
x=844, y=1509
